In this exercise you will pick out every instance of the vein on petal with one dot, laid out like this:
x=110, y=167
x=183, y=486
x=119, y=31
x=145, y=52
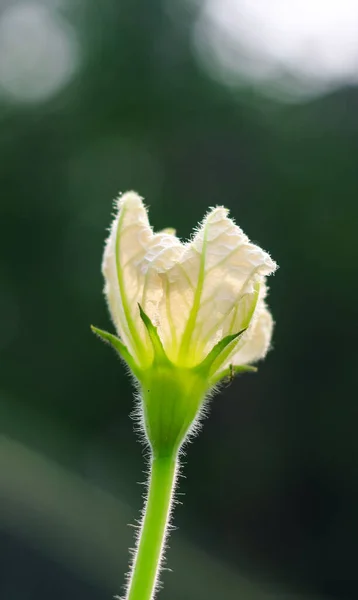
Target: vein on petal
x=126, y=309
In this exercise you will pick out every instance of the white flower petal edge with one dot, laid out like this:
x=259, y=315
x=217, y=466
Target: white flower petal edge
x=196, y=293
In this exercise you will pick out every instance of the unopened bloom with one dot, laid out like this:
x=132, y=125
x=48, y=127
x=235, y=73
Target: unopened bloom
x=187, y=314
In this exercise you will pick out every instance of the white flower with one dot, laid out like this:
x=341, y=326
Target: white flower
x=195, y=293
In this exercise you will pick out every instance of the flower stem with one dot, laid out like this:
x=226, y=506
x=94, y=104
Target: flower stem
x=153, y=532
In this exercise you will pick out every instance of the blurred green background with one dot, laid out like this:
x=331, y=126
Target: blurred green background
x=97, y=98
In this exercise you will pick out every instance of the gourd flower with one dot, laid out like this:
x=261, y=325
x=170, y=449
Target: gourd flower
x=188, y=316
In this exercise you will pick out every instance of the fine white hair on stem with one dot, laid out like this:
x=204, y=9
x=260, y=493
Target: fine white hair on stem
x=139, y=426
x=138, y=533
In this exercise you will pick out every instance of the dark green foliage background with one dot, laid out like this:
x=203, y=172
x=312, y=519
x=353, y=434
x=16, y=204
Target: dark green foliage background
x=270, y=507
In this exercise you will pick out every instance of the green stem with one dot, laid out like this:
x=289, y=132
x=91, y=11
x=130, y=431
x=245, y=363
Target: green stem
x=151, y=541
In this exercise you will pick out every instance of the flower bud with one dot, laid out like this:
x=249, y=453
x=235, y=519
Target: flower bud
x=187, y=314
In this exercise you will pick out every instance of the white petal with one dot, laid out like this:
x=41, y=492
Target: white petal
x=133, y=259
x=164, y=251
x=212, y=285
x=258, y=340
x=130, y=236
x=196, y=293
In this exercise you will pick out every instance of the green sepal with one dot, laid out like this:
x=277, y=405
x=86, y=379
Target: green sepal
x=119, y=347
x=215, y=352
x=231, y=371
x=159, y=352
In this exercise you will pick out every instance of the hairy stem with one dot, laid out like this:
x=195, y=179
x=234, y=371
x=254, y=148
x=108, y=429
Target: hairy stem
x=146, y=565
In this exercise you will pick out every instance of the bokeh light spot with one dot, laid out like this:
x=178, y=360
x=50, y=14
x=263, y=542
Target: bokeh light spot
x=39, y=52
x=302, y=47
